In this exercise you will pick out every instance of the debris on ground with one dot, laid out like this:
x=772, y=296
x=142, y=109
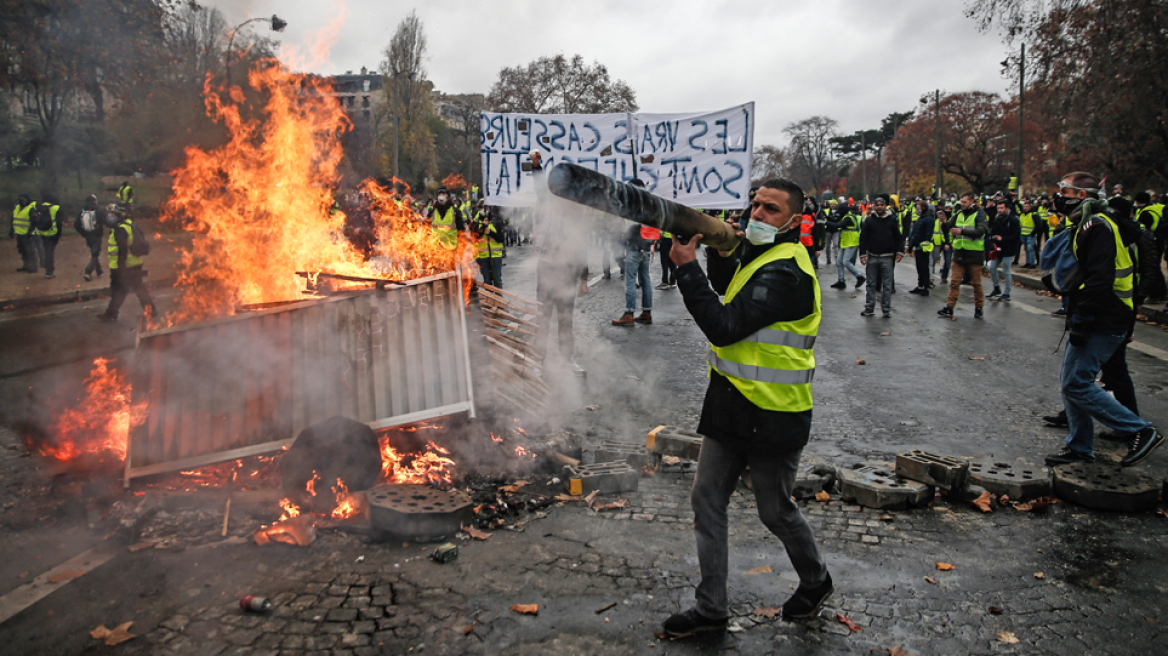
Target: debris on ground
x=66, y=575
x=945, y=567
x=846, y=621
x=984, y=502
x=765, y=569
x=770, y=612
x=1007, y=637
x=300, y=531
x=115, y=636
x=526, y=609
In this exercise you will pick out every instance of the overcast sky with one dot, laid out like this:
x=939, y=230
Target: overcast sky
x=853, y=60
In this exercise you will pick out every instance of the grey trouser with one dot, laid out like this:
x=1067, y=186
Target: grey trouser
x=773, y=478
x=880, y=273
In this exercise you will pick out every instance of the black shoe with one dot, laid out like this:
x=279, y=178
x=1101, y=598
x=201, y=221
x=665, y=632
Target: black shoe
x=917, y=290
x=1005, y=298
x=840, y=285
x=945, y=312
x=997, y=292
x=1057, y=421
x=887, y=315
x=806, y=602
x=860, y=282
x=1061, y=312
x=867, y=312
x=1116, y=436
x=106, y=318
x=1145, y=442
x=691, y=622
x=1068, y=456
x=88, y=277
x=977, y=314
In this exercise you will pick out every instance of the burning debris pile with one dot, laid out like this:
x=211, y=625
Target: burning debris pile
x=95, y=429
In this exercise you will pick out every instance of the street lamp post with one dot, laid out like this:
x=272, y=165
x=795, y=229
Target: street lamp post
x=1021, y=115
x=277, y=24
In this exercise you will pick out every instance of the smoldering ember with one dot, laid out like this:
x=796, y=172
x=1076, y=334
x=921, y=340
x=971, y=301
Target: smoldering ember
x=426, y=356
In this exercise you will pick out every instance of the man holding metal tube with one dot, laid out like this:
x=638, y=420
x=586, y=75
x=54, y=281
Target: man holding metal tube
x=757, y=409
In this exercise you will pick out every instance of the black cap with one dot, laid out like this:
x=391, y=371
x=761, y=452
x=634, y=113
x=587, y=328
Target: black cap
x=637, y=182
x=1143, y=198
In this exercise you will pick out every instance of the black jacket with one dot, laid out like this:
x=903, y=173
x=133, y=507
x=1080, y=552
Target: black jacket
x=922, y=230
x=881, y=235
x=1094, y=307
x=1009, y=228
x=779, y=291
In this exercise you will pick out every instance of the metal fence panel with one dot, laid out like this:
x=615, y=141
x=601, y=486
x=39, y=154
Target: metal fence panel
x=248, y=384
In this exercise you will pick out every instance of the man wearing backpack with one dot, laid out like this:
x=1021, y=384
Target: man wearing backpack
x=1100, y=312
x=21, y=227
x=90, y=223
x=125, y=263
x=47, y=229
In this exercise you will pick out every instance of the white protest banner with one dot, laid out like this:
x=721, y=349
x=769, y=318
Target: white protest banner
x=696, y=159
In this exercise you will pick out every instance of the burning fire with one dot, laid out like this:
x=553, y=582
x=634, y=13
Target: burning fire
x=432, y=467
x=261, y=205
x=346, y=503
x=100, y=423
x=290, y=510
x=310, y=486
x=522, y=452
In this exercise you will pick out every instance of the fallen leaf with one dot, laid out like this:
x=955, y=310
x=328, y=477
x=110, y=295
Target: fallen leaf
x=994, y=610
x=1007, y=637
x=615, y=505
x=976, y=357
x=860, y=362
x=514, y=487
x=66, y=575
x=478, y=509
x=945, y=567
x=114, y=636
x=568, y=497
x=591, y=407
x=853, y=295
x=1039, y=575
x=526, y=609
x=1035, y=504
x=822, y=495
x=931, y=580
x=465, y=629
x=770, y=612
x=846, y=621
x=886, y=518
x=475, y=533
x=604, y=608
x=592, y=495
x=670, y=460
x=899, y=650
x=885, y=334
x=759, y=570
x=984, y=502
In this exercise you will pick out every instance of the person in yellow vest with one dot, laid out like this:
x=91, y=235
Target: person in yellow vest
x=920, y=240
x=48, y=232
x=968, y=227
x=21, y=227
x=474, y=192
x=757, y=409
x=447, y=219
x=126, y=195
x=1100, y=314
x=1150, y=215
x=1030, y=226
x=846, y=222
x=488, y=246
x=125, y=267
x=942, y=249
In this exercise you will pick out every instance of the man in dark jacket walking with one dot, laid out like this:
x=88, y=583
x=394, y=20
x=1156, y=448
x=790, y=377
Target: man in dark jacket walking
x=1006, y=234
x=968, y=230
x=90, y=223
x=881, y=247
x=757, y=410
x=1099, y=313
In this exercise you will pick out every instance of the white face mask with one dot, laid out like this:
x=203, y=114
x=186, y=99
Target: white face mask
x=441, y=198
x=759, y=233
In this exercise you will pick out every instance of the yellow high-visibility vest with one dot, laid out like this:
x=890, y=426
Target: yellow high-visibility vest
x=131, y=259
x=1124, y=284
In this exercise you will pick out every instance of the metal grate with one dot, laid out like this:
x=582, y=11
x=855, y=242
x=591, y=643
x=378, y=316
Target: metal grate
x=248, y=384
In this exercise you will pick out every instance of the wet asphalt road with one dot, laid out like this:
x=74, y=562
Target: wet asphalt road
x=919, y=388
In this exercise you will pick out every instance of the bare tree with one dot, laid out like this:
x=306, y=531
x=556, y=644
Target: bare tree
x=812, y=151
x=404, y=68
x=770, y=162
x=558, y=85
x=194, y=36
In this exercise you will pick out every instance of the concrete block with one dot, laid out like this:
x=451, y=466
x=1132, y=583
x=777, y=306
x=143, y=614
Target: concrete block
x=607, y=477
x=876, y=485
x=669, y=441
x=814, y=476
x=1017, y=479
x=636, y=456
x=932, y=469
x=1105, y=486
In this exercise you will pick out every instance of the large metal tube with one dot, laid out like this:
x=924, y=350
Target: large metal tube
x=598, y=191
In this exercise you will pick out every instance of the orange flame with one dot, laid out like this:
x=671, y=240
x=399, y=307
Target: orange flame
x=261, y=205
x=432, y=467
x=522, y=452
x=100, y=423
x=346, y=503
x=455, y=182
x=310, y=486
x=496, y=438
x=290, y=510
